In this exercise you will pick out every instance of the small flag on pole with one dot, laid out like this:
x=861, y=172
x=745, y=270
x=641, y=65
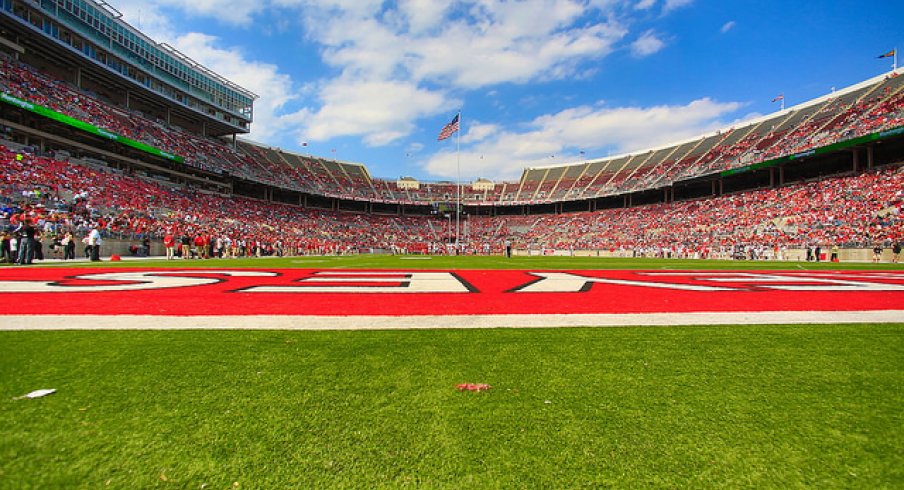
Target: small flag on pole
x=779, y=97
x=890, y=54
x=449, y=129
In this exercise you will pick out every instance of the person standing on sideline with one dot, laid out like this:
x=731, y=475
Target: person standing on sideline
x=169, y=243
x=27, y=243
x=68, y=243
x=94, y=242
x=5, y=251
x=185, y=241
x=896, y=252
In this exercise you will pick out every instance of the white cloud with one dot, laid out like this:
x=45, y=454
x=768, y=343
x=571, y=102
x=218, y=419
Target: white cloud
x=423, y=15
x=147, y=18
x=420, y=43
x=634, y=128
x=413, y=148
x=478, y=132
x=379, y=111
x=648, y=43
x=727, y=26
x=274, y=88
x=481, y=60
x=498, y=41
x=675, y=4
x=645, y=4
x=588, y=128
x=363, y=47
x=235, y=12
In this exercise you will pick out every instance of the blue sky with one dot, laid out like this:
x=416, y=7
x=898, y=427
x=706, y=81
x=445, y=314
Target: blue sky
x=539, y=82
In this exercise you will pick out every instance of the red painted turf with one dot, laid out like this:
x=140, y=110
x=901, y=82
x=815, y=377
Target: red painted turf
x=492, y=292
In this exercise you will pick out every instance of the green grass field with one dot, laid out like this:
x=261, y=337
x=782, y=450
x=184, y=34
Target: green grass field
x=675, y=407
x=490, y=262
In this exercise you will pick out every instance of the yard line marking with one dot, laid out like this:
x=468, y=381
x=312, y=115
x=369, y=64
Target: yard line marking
x=297, y=322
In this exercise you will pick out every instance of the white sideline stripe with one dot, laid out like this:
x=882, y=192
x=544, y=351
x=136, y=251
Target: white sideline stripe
x=299, y=322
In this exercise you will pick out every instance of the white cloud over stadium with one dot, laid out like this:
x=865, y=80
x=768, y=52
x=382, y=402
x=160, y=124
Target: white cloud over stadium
x=551, y=139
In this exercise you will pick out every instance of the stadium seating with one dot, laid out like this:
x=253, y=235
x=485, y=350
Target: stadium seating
x=852, y=211
x=854, y=113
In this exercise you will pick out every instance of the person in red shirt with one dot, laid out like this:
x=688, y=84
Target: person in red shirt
x=202, y=244
x=169, y=242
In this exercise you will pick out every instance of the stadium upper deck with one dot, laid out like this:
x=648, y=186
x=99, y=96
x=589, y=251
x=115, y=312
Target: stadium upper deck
x=873, y=106
x=88, y=44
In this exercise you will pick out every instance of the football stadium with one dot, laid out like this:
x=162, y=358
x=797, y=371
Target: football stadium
x=188, y=307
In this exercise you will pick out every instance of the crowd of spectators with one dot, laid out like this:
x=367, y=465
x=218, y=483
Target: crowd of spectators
x=65, y=197
x=60, y=197
x=848, y=211
x=210, y=154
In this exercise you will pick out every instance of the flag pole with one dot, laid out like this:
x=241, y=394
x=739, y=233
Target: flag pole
x=458, y=184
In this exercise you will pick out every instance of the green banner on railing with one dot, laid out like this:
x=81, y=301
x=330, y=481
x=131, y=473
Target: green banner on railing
x=817, y=151
x=88, y=128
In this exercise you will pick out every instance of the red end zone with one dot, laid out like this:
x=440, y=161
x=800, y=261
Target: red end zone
x=363, y=294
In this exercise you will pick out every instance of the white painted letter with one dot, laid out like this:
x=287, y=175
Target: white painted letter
x=372, y=282
x=136, y=281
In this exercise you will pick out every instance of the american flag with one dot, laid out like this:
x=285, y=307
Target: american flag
x=449, y=129
x=778, y=98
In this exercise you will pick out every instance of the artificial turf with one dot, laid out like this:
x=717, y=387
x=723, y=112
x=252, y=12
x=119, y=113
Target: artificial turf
x=666, y=407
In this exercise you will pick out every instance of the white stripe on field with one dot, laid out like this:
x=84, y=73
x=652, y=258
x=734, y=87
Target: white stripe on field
x=298, y=322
